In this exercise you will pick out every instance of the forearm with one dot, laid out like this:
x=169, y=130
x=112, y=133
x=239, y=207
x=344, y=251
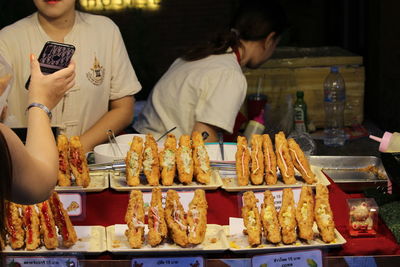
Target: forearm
x=35, y=165
x=40, y=141
x=117, y=119
x=41, y=146
x=212, y=131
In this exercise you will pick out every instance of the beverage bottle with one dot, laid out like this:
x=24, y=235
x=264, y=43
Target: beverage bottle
x=334, y=102
x=255, y=126
x=300, y=113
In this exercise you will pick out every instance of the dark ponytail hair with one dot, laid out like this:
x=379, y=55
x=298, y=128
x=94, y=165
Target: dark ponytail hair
x=254, y=20
x=6, y=179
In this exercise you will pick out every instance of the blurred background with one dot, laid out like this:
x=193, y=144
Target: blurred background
x=156, y=32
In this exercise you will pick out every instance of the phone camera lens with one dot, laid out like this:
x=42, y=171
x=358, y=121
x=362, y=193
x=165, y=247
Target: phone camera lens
x=49, y=49
x=55, y=58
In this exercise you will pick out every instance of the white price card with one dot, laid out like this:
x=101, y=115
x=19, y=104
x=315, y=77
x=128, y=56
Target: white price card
x=236, y=226
x=304, y=258
x=42, y=261
x=72, y=203
x=168, y=262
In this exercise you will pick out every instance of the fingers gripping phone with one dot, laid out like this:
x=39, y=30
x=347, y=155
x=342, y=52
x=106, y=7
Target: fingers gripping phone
x=54, y=56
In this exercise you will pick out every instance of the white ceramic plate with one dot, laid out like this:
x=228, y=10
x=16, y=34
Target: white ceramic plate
x=127, y=138
x=105, y=153
x=214, y=241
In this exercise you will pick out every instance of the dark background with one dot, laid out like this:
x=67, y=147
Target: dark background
x=369, y=28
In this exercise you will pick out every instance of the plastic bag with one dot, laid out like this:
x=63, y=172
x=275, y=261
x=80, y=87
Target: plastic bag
x=305, y=141
x=279, y=118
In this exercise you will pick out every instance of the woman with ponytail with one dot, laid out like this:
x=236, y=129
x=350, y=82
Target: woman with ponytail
x=204, y=89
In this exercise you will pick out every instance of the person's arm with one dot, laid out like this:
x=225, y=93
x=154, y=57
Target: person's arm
x=117, y=119
x=3, y=114
x=211, y=130
x=35, y=165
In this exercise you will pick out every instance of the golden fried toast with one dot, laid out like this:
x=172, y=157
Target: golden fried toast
x=133, y=161
x=284, y=159
x=257, y=160
x=242, y=157
x=251, y=218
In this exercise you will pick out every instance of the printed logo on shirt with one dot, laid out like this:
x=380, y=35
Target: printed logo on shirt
x=96, y=73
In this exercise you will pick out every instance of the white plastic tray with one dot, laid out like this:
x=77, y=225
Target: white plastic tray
x=117, y=242
x=239, y=244
x=99, y=181
x=229, y=181
x=118, y=183
x=91, y=240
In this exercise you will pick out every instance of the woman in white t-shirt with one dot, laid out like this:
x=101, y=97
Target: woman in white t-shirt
x=103, y=96
x=204, y=89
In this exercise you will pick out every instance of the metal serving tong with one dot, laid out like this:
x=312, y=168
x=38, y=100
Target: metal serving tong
x=221, y=144
x=113, y=143
x=116, y=150
x=116, y=165
x=167, y=132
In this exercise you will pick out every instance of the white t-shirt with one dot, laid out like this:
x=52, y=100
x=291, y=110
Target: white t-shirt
x=210, y=90
x=103, y=69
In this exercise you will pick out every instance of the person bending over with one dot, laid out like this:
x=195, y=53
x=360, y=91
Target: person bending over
x=204, y=89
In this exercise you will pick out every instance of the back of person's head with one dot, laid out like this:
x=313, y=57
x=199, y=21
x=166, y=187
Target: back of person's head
x=254, y=20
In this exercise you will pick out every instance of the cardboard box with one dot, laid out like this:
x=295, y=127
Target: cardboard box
x=291, y=69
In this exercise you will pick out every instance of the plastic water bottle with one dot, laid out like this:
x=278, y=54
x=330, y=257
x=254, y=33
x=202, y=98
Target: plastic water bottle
x=334, y=102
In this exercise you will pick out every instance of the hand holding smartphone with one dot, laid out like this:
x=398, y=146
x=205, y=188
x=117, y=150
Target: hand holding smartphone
x=54, y=56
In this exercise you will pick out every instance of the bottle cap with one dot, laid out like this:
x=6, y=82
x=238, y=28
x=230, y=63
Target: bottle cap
x=260, y=117
x=384, y=141
x=335, y=69
x=299, y=94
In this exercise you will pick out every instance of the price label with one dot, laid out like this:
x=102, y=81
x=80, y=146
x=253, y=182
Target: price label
x=72, y=203
x=168, y=262
x=42, y=261
x=306, y=258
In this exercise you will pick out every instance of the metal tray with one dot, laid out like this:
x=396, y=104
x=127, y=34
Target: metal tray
x=353, y=173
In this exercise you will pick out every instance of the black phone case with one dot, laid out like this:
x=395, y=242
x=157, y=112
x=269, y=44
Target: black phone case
x=53, y=57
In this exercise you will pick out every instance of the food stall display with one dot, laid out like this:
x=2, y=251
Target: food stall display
x=165, y=225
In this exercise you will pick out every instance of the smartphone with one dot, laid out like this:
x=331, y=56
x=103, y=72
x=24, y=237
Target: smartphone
x=54, y=56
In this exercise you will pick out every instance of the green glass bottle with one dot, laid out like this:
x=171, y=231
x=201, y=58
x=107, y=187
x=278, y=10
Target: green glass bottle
x=300, y=113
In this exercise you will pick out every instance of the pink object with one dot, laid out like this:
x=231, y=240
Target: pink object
x=384, y=141
x=260, y=117
x=255, y=103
